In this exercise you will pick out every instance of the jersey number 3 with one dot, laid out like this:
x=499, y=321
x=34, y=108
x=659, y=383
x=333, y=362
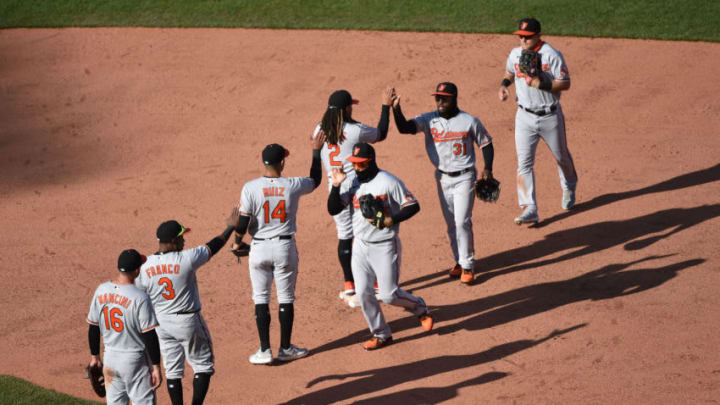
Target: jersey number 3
x=278, y=212
x=169, y=293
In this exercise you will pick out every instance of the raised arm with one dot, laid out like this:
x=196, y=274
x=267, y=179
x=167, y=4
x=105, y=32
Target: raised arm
x=404, y=126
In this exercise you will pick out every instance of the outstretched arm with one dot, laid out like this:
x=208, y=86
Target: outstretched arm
x=219, y=241
x=404, y=126
x=387, y=100
x=315, y=167
x=335, y=204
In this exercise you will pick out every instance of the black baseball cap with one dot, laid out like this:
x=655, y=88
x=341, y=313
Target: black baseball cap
x=130, y=260
x=446, y=89
x=528, y=26
x=362, y=152
x=341, y=99
x=169, y=230
x=274, y=154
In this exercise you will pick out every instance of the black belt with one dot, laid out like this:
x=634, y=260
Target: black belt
x=540, y=113
x=455, y=174
x=194, y=311
x=285, y=237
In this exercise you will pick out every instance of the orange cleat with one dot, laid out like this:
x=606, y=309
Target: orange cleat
x=467, y=276
x=455, y=271
x=426, y=322
x=377, y=342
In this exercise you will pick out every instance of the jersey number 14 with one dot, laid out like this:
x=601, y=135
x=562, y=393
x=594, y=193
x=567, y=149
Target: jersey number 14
x=278, y=212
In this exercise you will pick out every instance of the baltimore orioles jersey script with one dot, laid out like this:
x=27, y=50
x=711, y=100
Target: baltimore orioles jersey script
x=449, y=142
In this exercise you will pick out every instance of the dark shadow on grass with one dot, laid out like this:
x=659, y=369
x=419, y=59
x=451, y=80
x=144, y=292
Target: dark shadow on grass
x=369, y=381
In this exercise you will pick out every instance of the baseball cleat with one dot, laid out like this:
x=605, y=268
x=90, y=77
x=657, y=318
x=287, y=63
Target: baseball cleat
x=262, y=357
x=377, y=342
x=467, y=276
x=528, y=216
x=292, y=353
x=455, y=271
x=349, y=288
x=568, y=199
x=426, y=322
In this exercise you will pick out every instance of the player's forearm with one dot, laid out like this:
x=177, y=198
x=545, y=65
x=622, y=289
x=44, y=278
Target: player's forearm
x=384, y=123
x=334, y=204
x=488, y=152
x=94, y=339
x=219, y=241
x=404, y=126
x=152, y=345
x=406, y=213
x=316, y=168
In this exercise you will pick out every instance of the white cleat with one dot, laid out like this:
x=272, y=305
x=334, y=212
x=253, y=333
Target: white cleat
x=568, y=199
x=262, y=357
x=292, y=353
x=529, y=216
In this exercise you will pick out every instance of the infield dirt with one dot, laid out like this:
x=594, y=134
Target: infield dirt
x=105, y=133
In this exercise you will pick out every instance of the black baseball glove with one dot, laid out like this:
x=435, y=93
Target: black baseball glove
x=372, y=208
x=487, y=190
x=241, y=250
x=529, y=63
x=97, y=379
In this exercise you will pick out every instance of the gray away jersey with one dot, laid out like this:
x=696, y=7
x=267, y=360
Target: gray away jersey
x=391, y=191
x=123, y=313
x=272, y=204
x=449, y=142
x=553, y=66
x=170, y=281
x=334, y=156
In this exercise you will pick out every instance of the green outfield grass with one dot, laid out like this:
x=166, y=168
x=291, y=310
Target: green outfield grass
x=653, y=19
x=15, y=391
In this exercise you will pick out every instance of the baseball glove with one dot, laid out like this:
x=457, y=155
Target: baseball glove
x=97, y=379
x=372, y=208
x=487, y=190
x=242, y=250
x=529, y=63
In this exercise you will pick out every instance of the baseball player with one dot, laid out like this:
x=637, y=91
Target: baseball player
x=539, y=115
x=268, y=211
x=449, y=137
x=342, y=132
x=124, y=316
x=169, y=277
x=376, y=253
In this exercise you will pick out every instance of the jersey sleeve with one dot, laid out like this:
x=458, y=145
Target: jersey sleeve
x=421, y=122
x=146, y=315
x=199, y=256
x=401, y=194
x=367, y=134
x=246, y=205
x=93, y=317
x=558, y=68
x=510, y=64
x=482, y=137
x=302, y=185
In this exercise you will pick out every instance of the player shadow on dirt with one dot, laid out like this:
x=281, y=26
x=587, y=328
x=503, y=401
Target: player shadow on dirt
x=605, y=283
x=636, y=233
x=683, y=181
x=378, y=379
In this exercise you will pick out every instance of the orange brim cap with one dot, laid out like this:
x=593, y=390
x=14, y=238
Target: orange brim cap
x=356, y=159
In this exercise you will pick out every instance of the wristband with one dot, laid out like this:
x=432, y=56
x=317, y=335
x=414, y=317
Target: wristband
x=545, y=85
x=505, y=82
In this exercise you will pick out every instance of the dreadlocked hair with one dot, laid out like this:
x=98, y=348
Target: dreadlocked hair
x=332, y=124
